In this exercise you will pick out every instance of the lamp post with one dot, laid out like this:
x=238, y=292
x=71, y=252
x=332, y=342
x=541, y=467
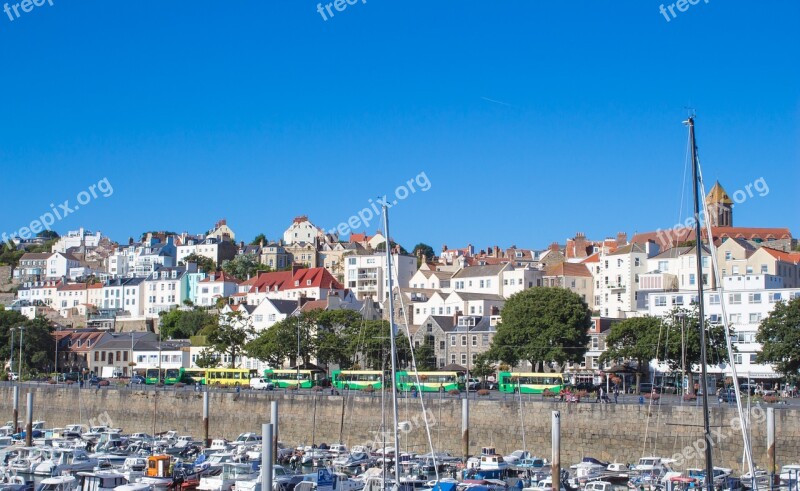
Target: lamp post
x=298, y=350
x=19, y=375
x=55, y=365
x=684, y=383
x=11, y=362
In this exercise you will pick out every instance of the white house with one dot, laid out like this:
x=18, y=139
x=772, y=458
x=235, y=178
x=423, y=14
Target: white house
x=124, y=294
x=165, y=289
x=300, y=283
x=617, y=275
x=214, y=286
x=367, y=274
x=77, y=238
x=747, y=299
x=301, y=231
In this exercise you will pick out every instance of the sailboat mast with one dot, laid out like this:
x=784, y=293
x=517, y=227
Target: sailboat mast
x=393, y=345
x=701, y=313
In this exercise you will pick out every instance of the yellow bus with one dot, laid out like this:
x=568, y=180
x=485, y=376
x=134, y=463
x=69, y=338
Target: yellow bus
x=229, y=376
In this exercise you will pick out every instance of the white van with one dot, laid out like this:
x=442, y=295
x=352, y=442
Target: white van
x=260, y=383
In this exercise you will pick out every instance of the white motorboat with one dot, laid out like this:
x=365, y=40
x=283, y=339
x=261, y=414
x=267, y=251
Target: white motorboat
x=790, y=474
x=101, y=480
x=58, y=483
x=517, y=455
x=133, y=468
x=26, y=459
x=230, y=474
x=137, y=486
x=57, y=461
x=279, y=476
x=490, y=460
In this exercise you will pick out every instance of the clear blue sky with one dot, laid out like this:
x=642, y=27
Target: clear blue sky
x=531, y=120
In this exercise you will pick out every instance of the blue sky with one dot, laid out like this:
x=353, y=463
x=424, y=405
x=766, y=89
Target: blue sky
x=531, y=120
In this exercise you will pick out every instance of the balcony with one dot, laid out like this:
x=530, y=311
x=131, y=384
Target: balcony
x=616, y=288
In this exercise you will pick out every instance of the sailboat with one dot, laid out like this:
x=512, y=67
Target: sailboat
x=698, y=191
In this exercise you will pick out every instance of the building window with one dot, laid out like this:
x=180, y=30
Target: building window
x=474, y=340
x=755, y=318
x=754, y=298
x=453, y=340
x=463, y=340
x=660, y=301
x=735, y=298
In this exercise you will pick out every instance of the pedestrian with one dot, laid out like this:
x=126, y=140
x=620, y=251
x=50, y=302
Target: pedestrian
x=599, y=395
x=616, y=394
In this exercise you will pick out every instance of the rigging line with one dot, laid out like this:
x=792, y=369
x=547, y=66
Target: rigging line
x=721, y=292
x=683, y=185
x=650, y=403
x=658, y=412
x=416, y=374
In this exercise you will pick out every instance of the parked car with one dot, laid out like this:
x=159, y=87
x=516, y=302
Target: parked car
x=749, y=388
x=12, y=376
x=260, y=383
x=324, y=382
x=476, y=384
x=94, y=380
x=648, y=388
x=137, y=379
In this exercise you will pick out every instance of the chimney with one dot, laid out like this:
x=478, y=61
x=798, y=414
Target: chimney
x=554, y=247
x=496, y=251
x=580, y=245
x=444, y=247
x=241, y=244
x=455, y=318
x=470, y=250
x=261, y=244
x=622, y=239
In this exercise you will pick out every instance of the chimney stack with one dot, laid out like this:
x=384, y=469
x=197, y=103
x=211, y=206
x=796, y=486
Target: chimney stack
x=622, y=239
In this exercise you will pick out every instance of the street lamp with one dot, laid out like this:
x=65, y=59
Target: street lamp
x=19, y=375
x=56, y=360
x=684, y=383
x=298, y=349
x=11, y=362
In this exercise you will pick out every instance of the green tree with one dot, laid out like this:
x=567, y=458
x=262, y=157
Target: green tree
x=258, y=239
x=333, y=331
x=38, y=344
x=243, y=266
x=779, y=335
x=423, y=249
x=541, y=325
x=483, y=367
x=425, y=357
x=635, y=339
x=183, y=324
x=382, y=247
x=230, y=334
x=372, y=345
x=205, y=264
x=207, y=359
x=48, y=234
x=716, y=347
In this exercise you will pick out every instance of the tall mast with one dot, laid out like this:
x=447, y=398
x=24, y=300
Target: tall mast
x=393, y=348
x=701, y=313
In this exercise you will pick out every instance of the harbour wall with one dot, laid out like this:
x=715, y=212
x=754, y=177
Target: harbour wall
x=612, y=432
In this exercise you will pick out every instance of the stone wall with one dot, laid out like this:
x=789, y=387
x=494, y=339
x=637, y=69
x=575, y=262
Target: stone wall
x=605, y=431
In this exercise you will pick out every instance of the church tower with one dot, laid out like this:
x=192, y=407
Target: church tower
x=719, y=207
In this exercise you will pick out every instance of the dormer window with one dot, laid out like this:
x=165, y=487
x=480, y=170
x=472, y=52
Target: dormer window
x=296, y=282
x=308, y=282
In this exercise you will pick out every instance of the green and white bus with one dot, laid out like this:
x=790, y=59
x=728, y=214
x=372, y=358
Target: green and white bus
x=229, y=376
x=283, y=378
x=429, y=381
x=530, y=382
x=357, y=379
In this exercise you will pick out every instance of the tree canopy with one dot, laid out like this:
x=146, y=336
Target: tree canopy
x=38, y=343
x=230, y=334
x=206, y=264
x=183, y=324
x=243, y=266
x=423, y=249
x=779, y=335
x=542, y=325
x=258, y=239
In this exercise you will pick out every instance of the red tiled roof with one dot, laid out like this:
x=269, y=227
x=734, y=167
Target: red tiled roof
x=787, y=257
x=285, y=280
x=73, y=286
x=669, y=237
x=314, y=305
x=567, y=269
x=594, y=258
x=219, y=276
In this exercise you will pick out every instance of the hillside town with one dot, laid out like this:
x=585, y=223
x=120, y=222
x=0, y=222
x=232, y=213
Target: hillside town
x=107, y=299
